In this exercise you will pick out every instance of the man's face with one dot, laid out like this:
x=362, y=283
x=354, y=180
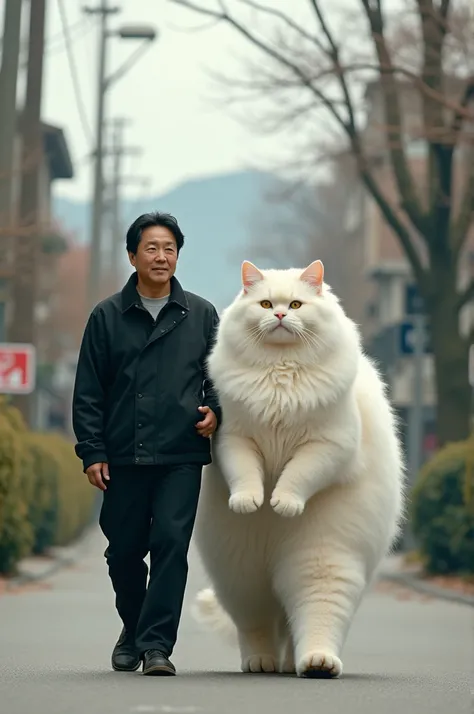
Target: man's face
x=156, y=257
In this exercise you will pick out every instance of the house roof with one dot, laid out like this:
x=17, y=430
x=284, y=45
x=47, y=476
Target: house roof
x=57, y=152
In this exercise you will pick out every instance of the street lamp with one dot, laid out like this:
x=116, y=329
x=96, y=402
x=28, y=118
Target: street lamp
x=131, y=32
x=147, y=34
x=134, y=32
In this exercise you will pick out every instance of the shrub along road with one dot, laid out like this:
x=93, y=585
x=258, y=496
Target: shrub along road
x=404, y=654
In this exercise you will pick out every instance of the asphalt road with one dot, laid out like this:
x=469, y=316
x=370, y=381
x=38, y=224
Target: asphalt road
x=405, y=655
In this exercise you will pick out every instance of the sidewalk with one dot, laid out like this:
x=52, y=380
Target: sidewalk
x=452, y=588
x=39, y=568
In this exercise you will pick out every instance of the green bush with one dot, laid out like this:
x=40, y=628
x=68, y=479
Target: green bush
x=45, y=499
x=16, y=532
x=443, y=510
x=43, y=503
x=75, y=496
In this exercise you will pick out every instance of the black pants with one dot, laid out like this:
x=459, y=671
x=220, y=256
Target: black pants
x=150, y=510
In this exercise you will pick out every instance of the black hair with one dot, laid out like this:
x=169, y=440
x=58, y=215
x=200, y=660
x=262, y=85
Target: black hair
x=156, y=218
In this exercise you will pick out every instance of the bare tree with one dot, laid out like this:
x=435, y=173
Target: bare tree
x=307, y=65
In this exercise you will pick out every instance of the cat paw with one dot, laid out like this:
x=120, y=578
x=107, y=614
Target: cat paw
x=245, y=502
x=259, y=663
x=319, y=665
x=287, y=505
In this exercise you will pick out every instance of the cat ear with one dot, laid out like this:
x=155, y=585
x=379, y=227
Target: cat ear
x=250, y=275
x=314, y=275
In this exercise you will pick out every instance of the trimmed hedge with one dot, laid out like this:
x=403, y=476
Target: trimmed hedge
x=443, y=510
x=45, y=499
x=16, y=532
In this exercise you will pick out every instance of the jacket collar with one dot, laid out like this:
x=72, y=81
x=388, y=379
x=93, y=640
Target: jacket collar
x=130, y=296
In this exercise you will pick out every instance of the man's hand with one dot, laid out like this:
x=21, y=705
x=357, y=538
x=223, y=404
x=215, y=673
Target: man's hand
x=98, y=474
x=208, y=425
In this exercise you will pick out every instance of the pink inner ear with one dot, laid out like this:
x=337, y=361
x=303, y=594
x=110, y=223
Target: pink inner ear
x=250, y=275
x=314, y=275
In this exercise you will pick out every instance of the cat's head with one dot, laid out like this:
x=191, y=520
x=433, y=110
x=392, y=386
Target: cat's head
x=288, y=309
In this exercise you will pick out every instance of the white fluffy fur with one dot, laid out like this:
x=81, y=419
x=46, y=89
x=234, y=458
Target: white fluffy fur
x=304, y=496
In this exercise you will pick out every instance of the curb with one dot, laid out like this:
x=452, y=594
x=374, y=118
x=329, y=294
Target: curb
x=415, y=583
x=61, y=558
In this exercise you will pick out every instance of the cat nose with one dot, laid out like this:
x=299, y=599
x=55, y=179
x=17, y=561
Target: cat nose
x=280, y=315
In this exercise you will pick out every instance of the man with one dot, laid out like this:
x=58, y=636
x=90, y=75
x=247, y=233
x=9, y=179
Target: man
x=143, y=412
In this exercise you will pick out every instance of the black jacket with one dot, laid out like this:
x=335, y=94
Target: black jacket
x=139, y=383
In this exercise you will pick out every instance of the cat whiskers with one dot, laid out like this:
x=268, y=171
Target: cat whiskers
x=255, y=336
x=310, y=338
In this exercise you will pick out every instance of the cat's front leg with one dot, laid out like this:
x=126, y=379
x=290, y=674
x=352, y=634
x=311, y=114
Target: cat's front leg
x=241, y=465
x=314, y=466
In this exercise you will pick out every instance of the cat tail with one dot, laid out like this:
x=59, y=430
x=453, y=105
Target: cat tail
x=208, y=611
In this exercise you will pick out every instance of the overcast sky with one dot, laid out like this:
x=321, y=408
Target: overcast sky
x=167, y=94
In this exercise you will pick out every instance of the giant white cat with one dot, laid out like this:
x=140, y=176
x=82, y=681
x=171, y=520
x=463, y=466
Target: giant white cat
x=305, y=494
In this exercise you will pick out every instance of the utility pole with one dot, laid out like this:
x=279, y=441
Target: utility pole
x=118, y=151
x=8, y=86
x=116, y=215
x=95, y=273
x=147, y=34
x=26, y=251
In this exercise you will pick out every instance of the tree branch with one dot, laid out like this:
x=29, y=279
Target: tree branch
x=357, y=148
x=279, y=14
x=270, y=51
x=405, y=183
x=392, y=219
x=335, y=56
x=461, y=113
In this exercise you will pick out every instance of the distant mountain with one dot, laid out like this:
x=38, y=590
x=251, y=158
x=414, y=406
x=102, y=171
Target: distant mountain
x=219, y=216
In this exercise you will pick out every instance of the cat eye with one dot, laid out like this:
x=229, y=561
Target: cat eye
x=295, y=304
x=266, y=304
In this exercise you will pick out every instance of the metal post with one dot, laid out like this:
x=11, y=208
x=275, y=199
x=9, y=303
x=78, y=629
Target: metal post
x=116, y=222
x=416, y=420
x=8, y=87
x=117, y=238
x=97, y=208
x=26, y=246
x=8, y=84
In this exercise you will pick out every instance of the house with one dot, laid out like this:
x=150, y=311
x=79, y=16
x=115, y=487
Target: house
x=56, y=164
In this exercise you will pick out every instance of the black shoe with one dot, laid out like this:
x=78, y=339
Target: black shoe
x=125, y=657
x=155, y=663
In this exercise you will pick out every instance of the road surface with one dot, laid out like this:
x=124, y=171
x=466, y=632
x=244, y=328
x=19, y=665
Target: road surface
x=404, y=655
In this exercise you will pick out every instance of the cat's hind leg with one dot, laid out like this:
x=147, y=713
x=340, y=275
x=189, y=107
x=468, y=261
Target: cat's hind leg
x=257, y=649
x=320, y=596
x=253, y=609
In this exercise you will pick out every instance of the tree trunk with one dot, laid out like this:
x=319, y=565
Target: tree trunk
x=450, y=359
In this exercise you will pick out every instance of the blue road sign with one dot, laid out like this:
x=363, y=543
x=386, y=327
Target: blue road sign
x=406, y=339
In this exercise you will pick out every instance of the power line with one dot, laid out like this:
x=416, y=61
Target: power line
x=77, y=31
x=75, y=27
x=73, y=69
x=80, y=28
